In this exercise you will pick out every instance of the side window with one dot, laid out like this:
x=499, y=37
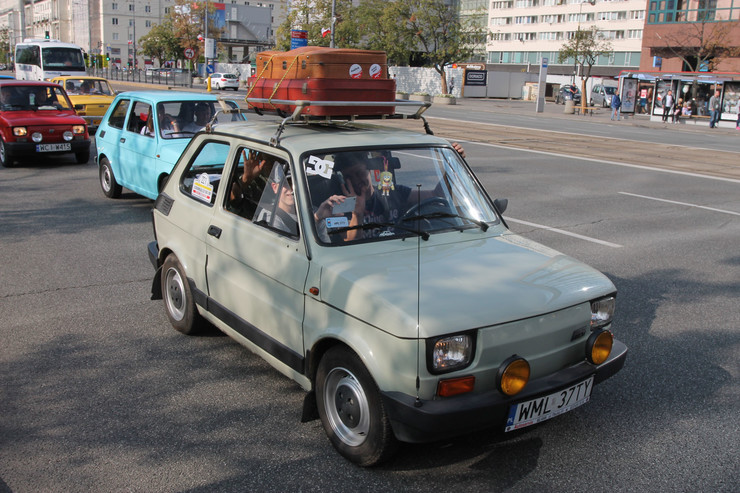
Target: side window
x=118, y=115
x=202, y=178
x=260, y=190
x=140, y=121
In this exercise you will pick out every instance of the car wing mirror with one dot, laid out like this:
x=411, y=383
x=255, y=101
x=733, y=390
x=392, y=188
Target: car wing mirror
x=501, y=205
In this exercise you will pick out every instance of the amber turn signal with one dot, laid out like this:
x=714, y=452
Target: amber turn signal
x=455, y=386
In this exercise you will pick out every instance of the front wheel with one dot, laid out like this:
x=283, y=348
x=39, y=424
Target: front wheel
x=6, y=159
x=351, y=409
x=178, y=299
x=108, y=183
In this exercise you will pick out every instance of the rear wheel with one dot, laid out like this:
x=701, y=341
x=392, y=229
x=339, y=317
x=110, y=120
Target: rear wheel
x=351, y=409
x=178, y=299
x=108, y=183
x=6, y=159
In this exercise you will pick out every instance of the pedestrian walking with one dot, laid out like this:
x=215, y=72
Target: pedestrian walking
x=667, y=105
x=714, y=109
x=616, y=105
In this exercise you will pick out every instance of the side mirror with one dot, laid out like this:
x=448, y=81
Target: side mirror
x=501, y=205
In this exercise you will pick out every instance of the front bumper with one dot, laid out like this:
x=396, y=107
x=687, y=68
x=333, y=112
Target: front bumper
x=26, y=149
x=438, y=419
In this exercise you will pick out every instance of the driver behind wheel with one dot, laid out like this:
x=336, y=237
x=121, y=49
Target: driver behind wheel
x=383, y=204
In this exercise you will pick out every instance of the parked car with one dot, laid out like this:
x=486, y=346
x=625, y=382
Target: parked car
x=90, y=96
x=409, y=313
x=567, y=93
x=143, y=133
x=222, y=80
x=37, y=119
x=601, y=95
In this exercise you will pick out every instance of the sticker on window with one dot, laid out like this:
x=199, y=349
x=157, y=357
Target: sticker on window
x=336, y=222
x=202, y=188
x=320, y=167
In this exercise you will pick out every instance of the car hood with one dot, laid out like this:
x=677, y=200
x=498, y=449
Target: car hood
x=37, y=118
x=91, y=99
x=464, y=285
x=170, y=149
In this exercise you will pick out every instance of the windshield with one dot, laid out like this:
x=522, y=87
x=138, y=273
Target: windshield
x=182, y=119
x=62, y=59
x=23, y=98
x=386, y=193
x=610, y=90
x=83, y=87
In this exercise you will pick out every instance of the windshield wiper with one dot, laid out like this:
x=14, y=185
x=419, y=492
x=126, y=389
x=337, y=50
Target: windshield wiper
x=445, y=215
x=372, y=225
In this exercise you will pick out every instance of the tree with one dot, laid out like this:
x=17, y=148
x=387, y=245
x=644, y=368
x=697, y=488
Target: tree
x=188, y=24
x=315, y=15
x=160, y=43
x=585, y=48
x=443, y=38
x=701, y=45
x=384, y=25
x=4, y=45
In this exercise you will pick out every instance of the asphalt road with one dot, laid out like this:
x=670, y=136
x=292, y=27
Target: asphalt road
x=99, y=393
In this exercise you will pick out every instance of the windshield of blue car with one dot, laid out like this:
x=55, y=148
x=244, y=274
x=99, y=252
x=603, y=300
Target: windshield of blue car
x=378, y=194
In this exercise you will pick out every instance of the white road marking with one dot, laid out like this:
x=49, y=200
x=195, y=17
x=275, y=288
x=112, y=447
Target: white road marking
x=563, y=232
x=602, y=161
x=681, y=203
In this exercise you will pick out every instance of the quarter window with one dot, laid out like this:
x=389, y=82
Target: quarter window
x=118, y=115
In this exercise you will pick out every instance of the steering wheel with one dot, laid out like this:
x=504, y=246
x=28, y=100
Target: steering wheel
x=426, y=206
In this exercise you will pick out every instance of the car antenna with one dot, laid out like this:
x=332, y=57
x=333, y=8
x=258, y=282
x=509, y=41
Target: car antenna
x=418, y=403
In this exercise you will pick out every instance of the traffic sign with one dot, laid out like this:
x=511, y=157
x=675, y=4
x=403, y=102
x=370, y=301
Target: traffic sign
x=189, y=53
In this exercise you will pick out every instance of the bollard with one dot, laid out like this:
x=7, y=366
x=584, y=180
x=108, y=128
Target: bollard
x=569, y=107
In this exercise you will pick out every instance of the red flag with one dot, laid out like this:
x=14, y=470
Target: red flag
x=325, y=31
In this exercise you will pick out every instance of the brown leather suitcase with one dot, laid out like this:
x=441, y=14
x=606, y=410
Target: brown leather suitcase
x=323, y=90
x=318, y=62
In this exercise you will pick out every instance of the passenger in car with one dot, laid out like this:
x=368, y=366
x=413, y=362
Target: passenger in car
x=247, y=188
x=202, y=117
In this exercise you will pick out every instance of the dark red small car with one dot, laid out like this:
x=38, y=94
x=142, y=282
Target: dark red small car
x=37, y=119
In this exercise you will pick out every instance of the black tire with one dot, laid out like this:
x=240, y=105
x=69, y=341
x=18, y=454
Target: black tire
x=351, y=409
x=108, y=183
x=178, y=299
x=6, y=158
x=82, y=157
x=603, y=103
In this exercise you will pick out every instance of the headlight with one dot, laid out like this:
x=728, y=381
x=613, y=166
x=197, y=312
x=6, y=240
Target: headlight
x=449, y=353
x=20, y=131
x=78, y=129
x=37, y=137
x=68, y=136
x=602, y=311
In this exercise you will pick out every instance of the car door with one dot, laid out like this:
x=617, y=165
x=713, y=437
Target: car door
x=108, y=137
x=138, y=161
x=256, y=270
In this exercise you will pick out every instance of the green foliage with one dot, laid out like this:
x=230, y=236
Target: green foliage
x=161, y=43
x=584, y=49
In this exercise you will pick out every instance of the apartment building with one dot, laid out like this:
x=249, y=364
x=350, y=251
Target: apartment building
x=114, y=27
x=525, y=31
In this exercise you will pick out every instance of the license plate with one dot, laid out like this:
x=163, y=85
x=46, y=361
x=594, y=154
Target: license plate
x=53, y=147
x=543, y=408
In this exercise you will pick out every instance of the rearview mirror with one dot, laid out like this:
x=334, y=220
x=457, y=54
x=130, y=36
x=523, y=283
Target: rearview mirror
x=500, y=205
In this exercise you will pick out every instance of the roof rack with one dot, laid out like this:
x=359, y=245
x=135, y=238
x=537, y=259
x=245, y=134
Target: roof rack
x=300, y=105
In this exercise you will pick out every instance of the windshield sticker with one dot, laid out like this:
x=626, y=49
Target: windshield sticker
x=321, y=167
x=336, y=222
x=202, y=188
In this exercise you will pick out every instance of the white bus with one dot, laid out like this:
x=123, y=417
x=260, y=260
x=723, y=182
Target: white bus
x=44, y=59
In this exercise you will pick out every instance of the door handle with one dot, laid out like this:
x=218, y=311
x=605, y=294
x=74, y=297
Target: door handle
x=123, y=139
x=214, y=231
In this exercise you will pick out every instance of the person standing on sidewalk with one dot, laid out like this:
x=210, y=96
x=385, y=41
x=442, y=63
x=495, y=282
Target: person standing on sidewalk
x=714, y=109
x=616, y=104
x=667, y=105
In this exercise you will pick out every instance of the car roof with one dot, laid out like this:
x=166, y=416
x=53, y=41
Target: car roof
x=302, y=137
x=161, y=95
x=15, y=82
x=78, y=77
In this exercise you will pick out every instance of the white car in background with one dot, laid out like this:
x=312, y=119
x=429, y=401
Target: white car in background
x=221, y=80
